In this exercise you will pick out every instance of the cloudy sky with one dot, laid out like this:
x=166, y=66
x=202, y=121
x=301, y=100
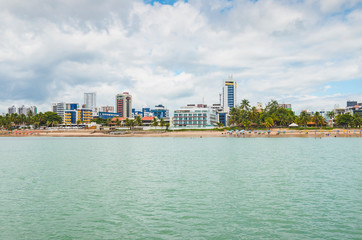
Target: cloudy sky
x=307, y=53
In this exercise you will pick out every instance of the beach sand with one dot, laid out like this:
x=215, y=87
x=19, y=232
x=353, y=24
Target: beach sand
x=199, y=134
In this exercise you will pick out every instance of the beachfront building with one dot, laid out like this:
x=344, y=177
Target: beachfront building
x=221, y=115
x=195, y=116
x=124, y=104
x=12, y=109
x=70, y=117
x=160, y=111
x=84, y=115
x=60, y=108
x=229, y=94
x=145, y=112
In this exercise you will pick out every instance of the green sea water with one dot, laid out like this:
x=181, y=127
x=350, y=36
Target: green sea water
x=180, y=188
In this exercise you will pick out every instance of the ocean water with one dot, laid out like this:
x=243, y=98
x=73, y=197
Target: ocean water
x=180, y=188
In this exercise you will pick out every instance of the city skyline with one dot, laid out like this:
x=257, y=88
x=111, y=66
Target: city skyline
x=306, y=53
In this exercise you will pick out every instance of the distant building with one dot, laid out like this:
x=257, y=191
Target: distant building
x=71, y=106
x=351, y=103
x=22, y=110
x=90, y=100
x=12, y=109
x=195, y=116
x=259, y=106
x=160, y=111
x=106, y=115
x=286, y=106
x=60, y=108
x=106, y=109
x=229, y=94
x=32, y=109
x=124, y=104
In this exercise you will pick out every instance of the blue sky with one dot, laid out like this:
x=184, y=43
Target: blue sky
x=307, y=53
x=168, y=2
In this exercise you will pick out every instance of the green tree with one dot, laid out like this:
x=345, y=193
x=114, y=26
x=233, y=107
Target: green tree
x=304, y=118
x=269, y=122
x=138, y=120
x=154, y=122
x=245, y=105
x=162, y=122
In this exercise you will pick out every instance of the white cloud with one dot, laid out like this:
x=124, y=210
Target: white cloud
x=174, y=55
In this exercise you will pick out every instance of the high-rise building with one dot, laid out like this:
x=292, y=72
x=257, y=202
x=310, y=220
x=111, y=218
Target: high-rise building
x=229, y=94
x=12, y=109
x=22, y=110
x=32, y=109
x=90, y=100
x=124, y=104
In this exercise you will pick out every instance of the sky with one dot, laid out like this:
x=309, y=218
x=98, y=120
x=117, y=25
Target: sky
x=304, y=52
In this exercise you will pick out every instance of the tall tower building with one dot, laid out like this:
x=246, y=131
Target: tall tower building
x=12, y=109
x=90, y=100
x=229, y=94
x=124, y=104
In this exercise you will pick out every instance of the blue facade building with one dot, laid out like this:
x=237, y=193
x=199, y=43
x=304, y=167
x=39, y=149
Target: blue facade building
x=229, y=94
x=106, y=115
x=222, y=118
x=160, y=111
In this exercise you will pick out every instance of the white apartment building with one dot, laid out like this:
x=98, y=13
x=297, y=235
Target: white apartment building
x=195, y=116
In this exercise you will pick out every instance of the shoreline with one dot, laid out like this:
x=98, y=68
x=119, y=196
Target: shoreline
x=280, y=133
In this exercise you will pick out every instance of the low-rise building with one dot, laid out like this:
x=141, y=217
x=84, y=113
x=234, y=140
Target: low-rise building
x=106, y=115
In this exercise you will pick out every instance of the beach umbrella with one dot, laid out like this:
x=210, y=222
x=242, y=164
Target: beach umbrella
x=293, y=125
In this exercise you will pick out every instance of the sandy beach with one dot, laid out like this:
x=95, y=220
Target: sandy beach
x=274, y=133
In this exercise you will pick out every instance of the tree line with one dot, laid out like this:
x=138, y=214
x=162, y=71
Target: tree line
x=41, y=119
x=273, y=115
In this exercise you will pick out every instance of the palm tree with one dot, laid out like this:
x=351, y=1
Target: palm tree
x=269, y=122
x=167, y=126
x=318, y=119
x=162, y=122
x=357, y=120
x=304, y=118
x=118, y=123
x=154, y=122
x=245, y=105
x=138, y=120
